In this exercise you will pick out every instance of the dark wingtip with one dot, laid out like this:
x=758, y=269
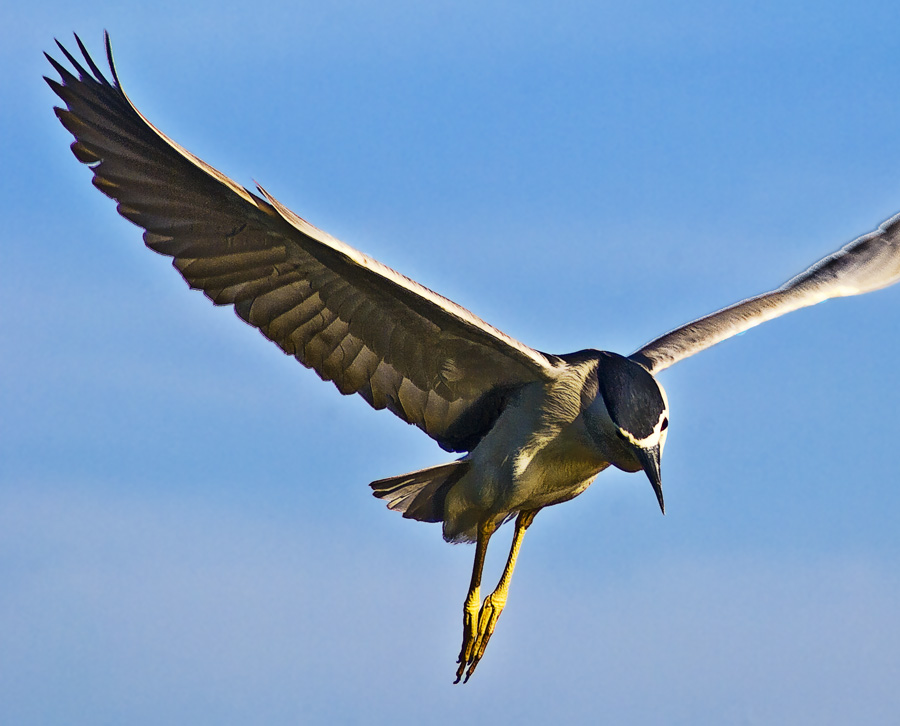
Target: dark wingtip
x=95, y=72
x=109, y=57
x=98, y=74
x=59, y=67
x=71, y=58
x=55, y=86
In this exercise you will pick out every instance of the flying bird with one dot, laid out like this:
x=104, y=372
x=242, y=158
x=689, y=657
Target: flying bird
x=534, y=429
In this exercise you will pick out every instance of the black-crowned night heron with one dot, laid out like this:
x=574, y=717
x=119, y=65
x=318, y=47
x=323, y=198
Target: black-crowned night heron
x=535, y=429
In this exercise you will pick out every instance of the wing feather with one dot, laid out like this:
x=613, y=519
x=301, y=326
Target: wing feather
x=866, y=264
x=354, y=321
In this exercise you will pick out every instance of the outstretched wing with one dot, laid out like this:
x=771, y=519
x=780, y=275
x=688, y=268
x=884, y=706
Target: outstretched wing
x=866, y=264
x=353, y=320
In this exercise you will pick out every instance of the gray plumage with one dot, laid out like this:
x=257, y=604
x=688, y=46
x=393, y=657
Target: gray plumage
x=534, y=428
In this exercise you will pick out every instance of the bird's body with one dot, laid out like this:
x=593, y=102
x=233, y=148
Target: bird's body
x=552, y=438
x=538, y=453
x=534, y=429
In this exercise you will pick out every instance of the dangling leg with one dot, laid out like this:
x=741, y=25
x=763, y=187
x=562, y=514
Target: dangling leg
x=473, y=599
x=495, y=602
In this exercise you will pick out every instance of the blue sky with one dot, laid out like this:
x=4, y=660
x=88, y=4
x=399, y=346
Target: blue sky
x=186, y=534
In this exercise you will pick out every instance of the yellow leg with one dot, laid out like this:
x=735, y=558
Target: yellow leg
x=496, y=601
x=473, y=599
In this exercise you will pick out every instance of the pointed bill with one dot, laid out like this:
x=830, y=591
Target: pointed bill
x=649, y=459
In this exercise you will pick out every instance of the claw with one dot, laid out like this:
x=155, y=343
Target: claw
x=487, y=621
x=477, y=632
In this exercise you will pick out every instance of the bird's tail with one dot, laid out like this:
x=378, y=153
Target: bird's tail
x=420, y=494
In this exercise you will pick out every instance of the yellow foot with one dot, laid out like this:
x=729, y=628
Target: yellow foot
x=474, y=644
x=470, y=632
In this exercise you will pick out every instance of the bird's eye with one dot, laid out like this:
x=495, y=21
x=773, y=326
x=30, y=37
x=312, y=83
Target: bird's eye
x=665, y=424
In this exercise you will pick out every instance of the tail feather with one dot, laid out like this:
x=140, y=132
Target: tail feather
x=420, y=494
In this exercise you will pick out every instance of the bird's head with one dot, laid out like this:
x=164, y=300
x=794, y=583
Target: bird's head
x=629, y=418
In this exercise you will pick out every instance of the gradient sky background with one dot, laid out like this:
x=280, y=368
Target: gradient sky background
x=186, y=534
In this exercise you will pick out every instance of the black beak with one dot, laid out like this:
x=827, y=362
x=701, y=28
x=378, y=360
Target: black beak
x=649, y=459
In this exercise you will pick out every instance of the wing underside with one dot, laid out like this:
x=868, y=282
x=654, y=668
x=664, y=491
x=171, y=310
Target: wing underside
x=354, y=321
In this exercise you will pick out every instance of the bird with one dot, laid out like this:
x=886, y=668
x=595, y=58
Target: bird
x=531, y=429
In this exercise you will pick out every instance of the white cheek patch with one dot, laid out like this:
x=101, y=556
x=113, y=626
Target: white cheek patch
x=653, y=436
